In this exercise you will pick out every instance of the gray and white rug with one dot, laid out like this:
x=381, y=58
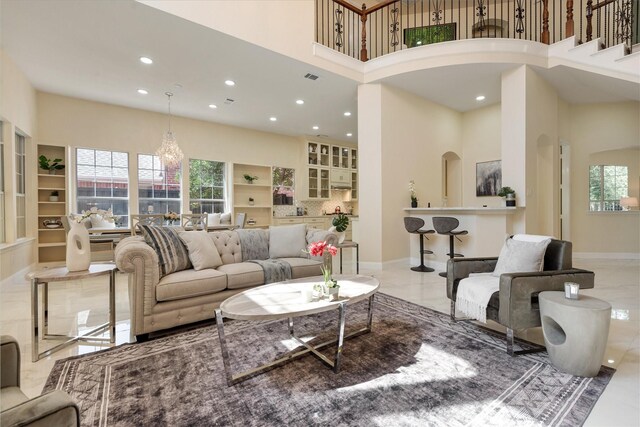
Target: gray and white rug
x=417, y=367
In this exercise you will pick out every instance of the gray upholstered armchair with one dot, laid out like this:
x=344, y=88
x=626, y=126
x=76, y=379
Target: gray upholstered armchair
x=51, y=409
x=515, y=305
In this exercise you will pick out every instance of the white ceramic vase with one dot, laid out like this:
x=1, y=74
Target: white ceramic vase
x=341, y=235
x=78, y=249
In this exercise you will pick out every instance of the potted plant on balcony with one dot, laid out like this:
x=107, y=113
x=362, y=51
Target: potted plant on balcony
x=509, y=194
x=50, y=165
x=340, y=223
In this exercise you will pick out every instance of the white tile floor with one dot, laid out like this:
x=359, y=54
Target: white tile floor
x=81, y=305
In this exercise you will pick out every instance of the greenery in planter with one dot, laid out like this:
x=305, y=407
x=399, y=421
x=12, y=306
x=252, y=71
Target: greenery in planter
x=55, y=193
x=50, y=165
x=340, y=222
x=250, y=178
x=506, y=190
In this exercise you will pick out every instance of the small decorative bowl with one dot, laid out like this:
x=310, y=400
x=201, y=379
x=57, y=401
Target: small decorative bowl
x=52, y=223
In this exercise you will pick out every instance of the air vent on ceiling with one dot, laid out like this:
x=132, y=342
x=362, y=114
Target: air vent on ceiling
x=322, y=136
x=229, y=101
x=311, y=76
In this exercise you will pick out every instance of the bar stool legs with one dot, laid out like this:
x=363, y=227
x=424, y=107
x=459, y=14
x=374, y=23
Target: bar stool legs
x=423, y=268
x=446, y=226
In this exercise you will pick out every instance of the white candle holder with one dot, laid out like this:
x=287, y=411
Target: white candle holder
x=571, y=290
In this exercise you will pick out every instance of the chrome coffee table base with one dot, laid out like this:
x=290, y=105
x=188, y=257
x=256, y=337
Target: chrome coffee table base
x=233, y=379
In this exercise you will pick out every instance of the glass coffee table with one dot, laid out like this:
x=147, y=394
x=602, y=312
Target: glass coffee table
x=286, y=300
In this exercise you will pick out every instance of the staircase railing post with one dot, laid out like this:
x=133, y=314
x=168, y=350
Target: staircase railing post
x=544, y=37
x=589, y=17
x=569, y=30
x=363, y=48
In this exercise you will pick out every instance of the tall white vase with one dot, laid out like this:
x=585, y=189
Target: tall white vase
x=341, y=234
x=78, y=249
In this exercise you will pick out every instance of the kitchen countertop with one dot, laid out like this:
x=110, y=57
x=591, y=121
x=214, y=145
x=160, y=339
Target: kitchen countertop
x=312, y=216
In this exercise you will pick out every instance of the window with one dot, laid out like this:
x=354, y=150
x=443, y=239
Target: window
x=607, y=184
x=102, y=180
x=2, y=169
x=206, y=186
x=283, y=186
x=158, y=186
x=21, y=223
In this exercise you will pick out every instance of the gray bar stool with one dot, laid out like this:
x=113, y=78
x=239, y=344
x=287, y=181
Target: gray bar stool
x=414, y=226
x=446, y=226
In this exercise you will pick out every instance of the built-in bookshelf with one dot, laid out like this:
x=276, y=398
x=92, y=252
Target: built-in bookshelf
x=52, y=200
x=260, y=208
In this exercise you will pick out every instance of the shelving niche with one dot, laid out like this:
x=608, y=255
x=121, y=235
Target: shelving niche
x=51, y=241
x=260, y=191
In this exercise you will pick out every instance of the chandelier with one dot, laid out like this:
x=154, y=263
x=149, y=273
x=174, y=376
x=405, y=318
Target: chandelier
x=169, y=152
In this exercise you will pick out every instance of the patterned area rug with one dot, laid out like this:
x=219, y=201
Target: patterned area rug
x=416, y=367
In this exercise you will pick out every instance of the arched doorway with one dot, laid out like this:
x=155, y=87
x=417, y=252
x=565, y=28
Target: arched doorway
x=451, y=179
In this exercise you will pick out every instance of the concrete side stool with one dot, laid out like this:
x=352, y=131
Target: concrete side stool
x=575, y=332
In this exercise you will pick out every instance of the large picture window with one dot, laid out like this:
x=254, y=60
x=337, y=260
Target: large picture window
x=206, y=186
x=21, y=222
x=102, y=180
x=607, y=184
x=158, y=186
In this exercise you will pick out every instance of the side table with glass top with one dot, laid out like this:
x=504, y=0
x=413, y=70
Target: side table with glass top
x=61, y=274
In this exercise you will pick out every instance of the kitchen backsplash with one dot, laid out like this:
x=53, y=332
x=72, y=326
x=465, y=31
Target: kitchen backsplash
x=318, y=207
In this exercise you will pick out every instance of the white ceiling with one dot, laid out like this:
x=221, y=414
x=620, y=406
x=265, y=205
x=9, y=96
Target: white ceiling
x=90, y=49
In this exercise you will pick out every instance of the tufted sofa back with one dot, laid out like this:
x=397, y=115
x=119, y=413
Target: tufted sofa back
x=228, y=245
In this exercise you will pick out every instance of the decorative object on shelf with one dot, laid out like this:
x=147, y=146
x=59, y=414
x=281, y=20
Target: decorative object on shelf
x=52, y=223
x=251, y=201
x=509, y=194
x=330, y=287
x=249, y=178
x=53, y=197
x=340, y=224
x=251, y=221
x=325, y=150
x=78, y=248
x=571, y=290
x=488, y=178
x=171, y=218
x=414, y=198
x=169, y=152
x=50, y=165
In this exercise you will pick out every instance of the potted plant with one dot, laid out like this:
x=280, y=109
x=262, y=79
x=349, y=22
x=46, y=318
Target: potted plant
x=251, y=201
x=50, y=165
x=53, y=197
x=250, y=178
x=414, y=198
x=509, y=195
x=340, y=223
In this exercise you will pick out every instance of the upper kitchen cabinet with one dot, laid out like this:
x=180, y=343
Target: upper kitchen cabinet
x=318, y=154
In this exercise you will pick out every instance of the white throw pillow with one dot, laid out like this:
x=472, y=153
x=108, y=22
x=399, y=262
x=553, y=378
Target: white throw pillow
x=97, y=221
x=225, y=218
x=530, y=237
x=519, y=256
x=202, y=249
x=213, y=219
x=287, y=241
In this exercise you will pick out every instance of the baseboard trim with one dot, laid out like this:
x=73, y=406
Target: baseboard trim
x=607, y=255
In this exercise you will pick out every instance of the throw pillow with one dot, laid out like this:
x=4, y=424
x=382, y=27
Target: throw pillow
x=202, y=250
x=287, y=241
x=213, y=219
x=172, y=253
x=225, y=218
x=530, y=237
x=97, y=221
x=519, y=256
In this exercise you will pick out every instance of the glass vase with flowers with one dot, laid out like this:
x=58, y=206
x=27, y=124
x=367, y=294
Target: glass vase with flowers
x=330, y=287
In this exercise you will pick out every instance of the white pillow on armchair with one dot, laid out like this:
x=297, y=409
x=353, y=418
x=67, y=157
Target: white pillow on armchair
x=521, y=256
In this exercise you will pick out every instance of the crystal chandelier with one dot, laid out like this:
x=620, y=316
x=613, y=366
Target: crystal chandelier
x=169, y=152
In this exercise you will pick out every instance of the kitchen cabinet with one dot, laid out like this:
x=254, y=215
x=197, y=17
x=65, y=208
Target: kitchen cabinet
x=318, y=183
x=340, y=177
x=317, y=154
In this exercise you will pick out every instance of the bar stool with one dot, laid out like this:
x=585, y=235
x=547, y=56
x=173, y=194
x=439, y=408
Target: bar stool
x=350, y=244
x=446, y=226
x=414, y=226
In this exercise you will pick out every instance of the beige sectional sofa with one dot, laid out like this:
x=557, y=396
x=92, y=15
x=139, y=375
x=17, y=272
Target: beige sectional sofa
x=188, y=296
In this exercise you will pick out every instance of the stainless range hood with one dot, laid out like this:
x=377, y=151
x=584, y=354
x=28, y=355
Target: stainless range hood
x=340, y=186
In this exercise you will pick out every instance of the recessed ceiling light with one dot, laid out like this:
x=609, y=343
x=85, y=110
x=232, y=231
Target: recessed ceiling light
x=142, y=91
x=347, y=113
x=213, y=106
x=349, y=134
x=299, y=102
x=146, y=60
x=315, y=128
x=229, y=82
x=480, y=98
x=273, y=119
x=610, y=361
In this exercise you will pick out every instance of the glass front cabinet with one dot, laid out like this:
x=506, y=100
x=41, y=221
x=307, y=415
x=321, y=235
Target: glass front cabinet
x=318, y=181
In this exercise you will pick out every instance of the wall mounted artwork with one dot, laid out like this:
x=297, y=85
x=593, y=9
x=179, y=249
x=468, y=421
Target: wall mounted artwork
x=488, y=178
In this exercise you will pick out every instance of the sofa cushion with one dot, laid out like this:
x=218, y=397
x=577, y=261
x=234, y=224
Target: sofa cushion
x=228, y=245
x=519, y=256
x=242, y=274
x=213, y=219
x=287, y=241
x=202, y=250
x=172, y=253
x=225, y=218
x=302, y=267
x=190, y=283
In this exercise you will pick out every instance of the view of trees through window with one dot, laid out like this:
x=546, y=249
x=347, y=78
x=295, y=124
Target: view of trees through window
x=206, y=186
x=607, y=184
x=158, y=186
x=283, y=186
x=102, y=179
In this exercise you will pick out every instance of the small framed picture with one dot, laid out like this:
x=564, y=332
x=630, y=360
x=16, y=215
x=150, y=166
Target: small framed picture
x=488, y=178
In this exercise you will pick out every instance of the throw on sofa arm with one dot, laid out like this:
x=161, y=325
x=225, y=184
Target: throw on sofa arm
x=460, y=268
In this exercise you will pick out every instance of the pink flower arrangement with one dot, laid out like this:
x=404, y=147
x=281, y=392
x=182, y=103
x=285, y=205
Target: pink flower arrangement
x=319, y=248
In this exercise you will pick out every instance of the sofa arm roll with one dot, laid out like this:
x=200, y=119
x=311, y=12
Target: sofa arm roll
x=52, y=409
x=460, y=268
x=9, y=362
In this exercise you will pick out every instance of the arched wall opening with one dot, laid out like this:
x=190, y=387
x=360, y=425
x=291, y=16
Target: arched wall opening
x=451, y=179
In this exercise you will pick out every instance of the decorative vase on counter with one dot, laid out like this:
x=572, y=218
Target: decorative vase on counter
x=78, y=249
x=414, y=203
x=511, y=199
